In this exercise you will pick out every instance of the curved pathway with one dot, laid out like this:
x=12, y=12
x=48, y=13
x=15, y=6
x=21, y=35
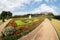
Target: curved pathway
x=45, y=31
x=2, y=26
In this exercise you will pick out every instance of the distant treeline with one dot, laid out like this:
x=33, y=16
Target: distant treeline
x=33, y=15
x=57, y=17
x=23, y=16
x=49, y=15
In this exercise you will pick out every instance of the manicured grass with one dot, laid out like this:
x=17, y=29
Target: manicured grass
x=56, y=24
x=19, y=22
x=1, y=22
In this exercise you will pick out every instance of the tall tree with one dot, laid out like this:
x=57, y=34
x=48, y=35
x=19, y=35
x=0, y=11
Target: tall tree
x=3, y=15
x=9, y=14
x=6, y=14
x=51, y=14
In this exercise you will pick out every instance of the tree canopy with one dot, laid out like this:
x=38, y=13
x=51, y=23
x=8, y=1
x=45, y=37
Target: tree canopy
x=5, y=14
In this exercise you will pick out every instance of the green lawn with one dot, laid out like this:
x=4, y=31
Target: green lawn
x=19, y=22
x=28, y=21
x=56, y=24
x=1, y=22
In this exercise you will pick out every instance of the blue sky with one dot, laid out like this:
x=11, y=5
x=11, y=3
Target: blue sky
x=21, y=7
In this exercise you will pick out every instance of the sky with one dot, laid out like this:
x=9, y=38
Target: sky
x=21, y=7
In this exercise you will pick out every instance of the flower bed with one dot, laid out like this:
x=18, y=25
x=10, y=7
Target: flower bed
x=21, y=27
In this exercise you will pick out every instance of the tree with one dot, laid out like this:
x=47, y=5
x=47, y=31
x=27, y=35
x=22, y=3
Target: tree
x=0, y=16
x=51, y=14
x=9, y=14
x=57, y=17
x=5, y=14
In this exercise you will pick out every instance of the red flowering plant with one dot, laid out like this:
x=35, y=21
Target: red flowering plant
x=13, y=23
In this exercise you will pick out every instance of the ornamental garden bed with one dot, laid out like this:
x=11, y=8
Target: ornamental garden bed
x=17, y=28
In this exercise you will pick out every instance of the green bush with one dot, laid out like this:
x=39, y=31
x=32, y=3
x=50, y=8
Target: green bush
x=21, y=28
x=13, y=37
x=8, y=31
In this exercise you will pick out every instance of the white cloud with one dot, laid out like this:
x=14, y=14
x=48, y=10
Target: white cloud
x=21, y=13
x=54, y=7
x=38, y=0
x=10, y=4
x=45, y=8
x=51, y=1
x=42, y=8
x=47, y=0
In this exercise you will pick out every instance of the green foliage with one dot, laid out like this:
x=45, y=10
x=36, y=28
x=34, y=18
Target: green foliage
x=13, y=37
x=21, y=28
x=5, y=14
x=19, y=22
x=20, y=16
x=8, y=31
x=9, y=15
x=57, y=17
x=1, y=22
x=28, y=21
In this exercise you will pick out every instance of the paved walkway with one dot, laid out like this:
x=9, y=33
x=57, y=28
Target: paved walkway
x=3, y=25
x=44, y=31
